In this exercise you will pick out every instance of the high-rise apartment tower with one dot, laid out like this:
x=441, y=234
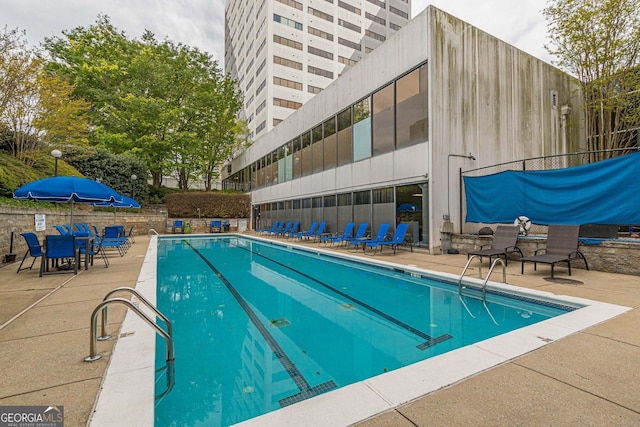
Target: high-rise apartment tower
x=283, y=52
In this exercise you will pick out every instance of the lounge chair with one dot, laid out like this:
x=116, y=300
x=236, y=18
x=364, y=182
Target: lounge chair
x=293, y=230
x=319, y=232
x=360, y=234
x=311, y=230
x=35, y=250
x=60, y=248
x=562, y=246
x=273, y=227
x=346, y=234
x=279, y=229
x=503, y=244
x=216, y=226
x=380, y=237
x=396, y=240
x=285, y=230
x=61, y=230
x=178, y=226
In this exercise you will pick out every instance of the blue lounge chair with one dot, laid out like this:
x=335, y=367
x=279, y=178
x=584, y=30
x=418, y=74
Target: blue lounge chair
x=319, y=232
x=397, y=239
x=279, y=229
x=273, y=227
x=311, y=229
x=216, y=226
x=285, y=230
x=35, y=250
x=178, y=226
x=61, y=230
x=346, y=234
x=293, y=230
x=60, y=248
x=112, y=239
x=380, y=237
x=360, y=234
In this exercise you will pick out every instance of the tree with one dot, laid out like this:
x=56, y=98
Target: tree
x=35, y=107
x=599, y=42
x=161, y=101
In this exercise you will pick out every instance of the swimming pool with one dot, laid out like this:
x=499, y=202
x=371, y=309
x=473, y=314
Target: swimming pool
x=355, y=306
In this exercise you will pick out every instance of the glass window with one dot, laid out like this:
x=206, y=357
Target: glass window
x=288, y=161
x=345, y=139
x=383, y=120
x=362, y=197
x=330, y=201
x=383, y=195
x=317, y=202
x=330, y=139
x=306, y=203
x=282, y=169
x=297, y=157
x=411, y=108
x=316, y=155
x=344, y=199
x=362, y=130
x=307, y=167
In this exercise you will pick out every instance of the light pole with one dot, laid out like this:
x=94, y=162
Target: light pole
x=133, y=186
x=56, y=154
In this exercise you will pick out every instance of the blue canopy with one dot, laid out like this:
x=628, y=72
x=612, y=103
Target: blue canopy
x=605, y=192
x=63, y=189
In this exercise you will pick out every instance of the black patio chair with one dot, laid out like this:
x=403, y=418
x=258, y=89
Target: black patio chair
x=562, y=246
x=503, y=244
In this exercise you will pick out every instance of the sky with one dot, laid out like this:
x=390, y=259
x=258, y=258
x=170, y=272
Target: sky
x=200, y=23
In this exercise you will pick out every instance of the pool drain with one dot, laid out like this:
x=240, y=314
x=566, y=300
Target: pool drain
x=280, y=323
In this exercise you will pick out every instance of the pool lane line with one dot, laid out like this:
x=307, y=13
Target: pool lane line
x=429, y=340
x=306, y=391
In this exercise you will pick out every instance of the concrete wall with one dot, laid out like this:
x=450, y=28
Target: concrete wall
x=612, y=256
x=20, y=220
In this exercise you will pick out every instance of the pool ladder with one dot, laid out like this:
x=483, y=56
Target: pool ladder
x=462, y=287
x=167, y=335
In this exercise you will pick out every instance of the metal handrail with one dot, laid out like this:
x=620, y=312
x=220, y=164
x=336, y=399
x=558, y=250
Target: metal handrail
x=467, y=266
x=103, y=332
x=93, y=355
x=486, y=279
x=151, y=230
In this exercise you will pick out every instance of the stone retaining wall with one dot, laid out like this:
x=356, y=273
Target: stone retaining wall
x=19, y=220
x=613, y=256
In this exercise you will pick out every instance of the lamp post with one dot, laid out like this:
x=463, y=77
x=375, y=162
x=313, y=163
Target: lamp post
x=133, y=186
x=56, y=154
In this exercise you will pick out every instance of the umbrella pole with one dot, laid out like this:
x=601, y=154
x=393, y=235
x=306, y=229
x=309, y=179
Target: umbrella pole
x=71, y=220
x=114, y=215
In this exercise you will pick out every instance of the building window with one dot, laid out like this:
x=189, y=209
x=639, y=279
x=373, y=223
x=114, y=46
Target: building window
x=394, y=26
x=375, y=18
x=287, y=42
x=362, y=129
x=261, y=67
x=383, y=120
x=320, y=52
x=344, y=199
x=261, y=127
x=347, y=61
x=316, y=152
x=345, y=139
x=320, y=33
x=288, y=22
x=297, y=157
x=287, y=83
x=349, y=25
x=276, y=122
x=262, y=86
x=262, y=45
x=348, y=7
x=330, y=143
x=411, y=108
x=382, y=195
x=314, y=89
x=320, y=14
x=320, y=72
x=287, y=63
x=349, y=43
x=329, y=201
x=286, y=104
x=292, y=3
x=375, y=35
x=362, y=197
x=378, y=3
x=398, y=12
x=261, y=106
x=307, y=166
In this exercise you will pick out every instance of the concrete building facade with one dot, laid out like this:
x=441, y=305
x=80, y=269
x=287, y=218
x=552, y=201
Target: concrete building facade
x=396, y=129
x=284, y=52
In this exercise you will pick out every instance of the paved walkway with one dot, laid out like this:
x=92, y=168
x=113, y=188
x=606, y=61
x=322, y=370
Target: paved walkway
x=589, y=378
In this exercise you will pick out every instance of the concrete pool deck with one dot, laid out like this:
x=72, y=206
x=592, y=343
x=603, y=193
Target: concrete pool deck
x=590, y=377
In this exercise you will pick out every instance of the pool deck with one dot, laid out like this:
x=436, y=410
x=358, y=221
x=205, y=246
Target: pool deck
x=588, y=378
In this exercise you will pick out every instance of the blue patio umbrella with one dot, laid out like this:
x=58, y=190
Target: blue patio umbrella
x=408, y=207
x=126, y=202
x=67, y=189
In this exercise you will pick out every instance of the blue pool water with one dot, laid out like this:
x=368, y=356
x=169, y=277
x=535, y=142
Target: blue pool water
x=258, y=326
